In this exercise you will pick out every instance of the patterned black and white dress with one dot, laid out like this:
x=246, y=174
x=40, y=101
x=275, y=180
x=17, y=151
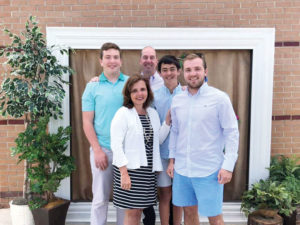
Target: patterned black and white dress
x=143, y=181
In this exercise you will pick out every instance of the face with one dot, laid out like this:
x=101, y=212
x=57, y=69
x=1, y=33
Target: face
x=169, y=73
x=111, y=62
x=148, y=61
x=139, y=93
x=194, y=73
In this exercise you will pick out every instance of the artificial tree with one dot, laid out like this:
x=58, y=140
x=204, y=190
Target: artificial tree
x=32, y=89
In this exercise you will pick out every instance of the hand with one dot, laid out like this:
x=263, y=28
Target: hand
x=125, y=181
x=94, y=79
x=170, y=169
x=101, y=161
x=224, y=176
x=168, y=118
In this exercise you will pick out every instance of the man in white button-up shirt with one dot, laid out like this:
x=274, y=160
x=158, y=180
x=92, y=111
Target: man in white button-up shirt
x=203, y=125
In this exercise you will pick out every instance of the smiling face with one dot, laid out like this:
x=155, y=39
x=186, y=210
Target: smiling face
x=111, y=62
x=169, y=73
x=139, y=93
x=148, y=61
x=194, y=74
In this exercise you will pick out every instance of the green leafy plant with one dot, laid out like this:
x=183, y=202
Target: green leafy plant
x=267, y=194
x=286, y=171
x=32, y=88
x=42, y=149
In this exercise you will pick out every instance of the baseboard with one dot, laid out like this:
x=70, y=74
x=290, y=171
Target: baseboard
x=80, y=212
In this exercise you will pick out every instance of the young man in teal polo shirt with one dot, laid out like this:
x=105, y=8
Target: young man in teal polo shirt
x=100, y=101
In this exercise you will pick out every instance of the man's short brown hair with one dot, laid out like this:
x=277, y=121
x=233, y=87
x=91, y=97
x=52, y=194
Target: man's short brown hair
x=109, y=45
x=194, y=56
x=128, y=88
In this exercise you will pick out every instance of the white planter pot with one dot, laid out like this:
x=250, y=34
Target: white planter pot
x=20, y=214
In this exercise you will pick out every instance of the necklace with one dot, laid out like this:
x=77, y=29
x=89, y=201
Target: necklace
x=148, y=131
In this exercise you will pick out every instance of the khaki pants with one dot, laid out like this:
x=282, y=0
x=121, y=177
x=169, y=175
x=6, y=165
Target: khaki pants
x=101, y=188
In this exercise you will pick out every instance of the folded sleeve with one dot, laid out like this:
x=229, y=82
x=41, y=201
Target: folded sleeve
x=163, y=132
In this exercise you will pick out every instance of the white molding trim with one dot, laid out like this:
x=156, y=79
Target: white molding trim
x=260, y=40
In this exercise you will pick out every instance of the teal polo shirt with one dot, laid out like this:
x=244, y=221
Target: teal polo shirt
x=104, y=98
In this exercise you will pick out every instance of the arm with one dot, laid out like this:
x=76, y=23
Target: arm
x=125, y=178
x=118, y=131
x=88, y=127
x=165, y=128
x=170, y=169
x=229, y=125
x=173, y=135
x=172, y=143
x=224, y=176
x=94, y=79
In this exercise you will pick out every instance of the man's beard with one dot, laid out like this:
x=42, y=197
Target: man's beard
x=196, y=85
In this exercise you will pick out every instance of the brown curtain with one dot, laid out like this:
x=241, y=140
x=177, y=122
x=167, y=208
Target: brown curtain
x=228, y=70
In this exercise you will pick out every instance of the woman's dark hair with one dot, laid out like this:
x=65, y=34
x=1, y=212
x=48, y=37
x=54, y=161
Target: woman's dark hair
x=127, y=91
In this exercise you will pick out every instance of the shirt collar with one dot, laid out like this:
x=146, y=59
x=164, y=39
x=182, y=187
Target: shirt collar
x=152, y=77
x=103, y=78
x=201, y=90
x=167, y=91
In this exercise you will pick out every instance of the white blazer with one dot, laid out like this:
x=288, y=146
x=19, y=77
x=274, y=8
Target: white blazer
x=127, y=139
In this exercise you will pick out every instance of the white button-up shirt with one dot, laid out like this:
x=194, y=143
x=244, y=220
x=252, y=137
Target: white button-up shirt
x=203, y=125
x=156, y=81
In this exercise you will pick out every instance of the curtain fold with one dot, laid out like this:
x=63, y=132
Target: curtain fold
x=228, y=70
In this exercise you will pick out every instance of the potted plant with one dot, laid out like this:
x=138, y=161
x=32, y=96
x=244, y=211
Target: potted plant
x=32, y=89
x=286, y=171
x=266, y=196
x=265, y=199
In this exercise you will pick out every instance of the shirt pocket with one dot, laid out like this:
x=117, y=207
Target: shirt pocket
x=204, y=112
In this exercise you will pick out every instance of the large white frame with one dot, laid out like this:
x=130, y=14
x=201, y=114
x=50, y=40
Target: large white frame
x=259, y=40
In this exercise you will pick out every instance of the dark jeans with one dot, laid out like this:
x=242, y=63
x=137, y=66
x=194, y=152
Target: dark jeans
x=149, y=214
x=171, y=213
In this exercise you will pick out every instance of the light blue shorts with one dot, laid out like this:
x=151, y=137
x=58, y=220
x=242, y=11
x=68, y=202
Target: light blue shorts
x=205, y=192
x=163, y=179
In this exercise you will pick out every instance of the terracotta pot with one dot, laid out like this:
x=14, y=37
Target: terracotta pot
x=258, y=219
x=20, y=214
x=267, y=213
x=291, y=219
x=53, y=215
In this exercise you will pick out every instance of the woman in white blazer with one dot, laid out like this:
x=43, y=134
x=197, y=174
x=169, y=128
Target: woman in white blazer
x=136, y=133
